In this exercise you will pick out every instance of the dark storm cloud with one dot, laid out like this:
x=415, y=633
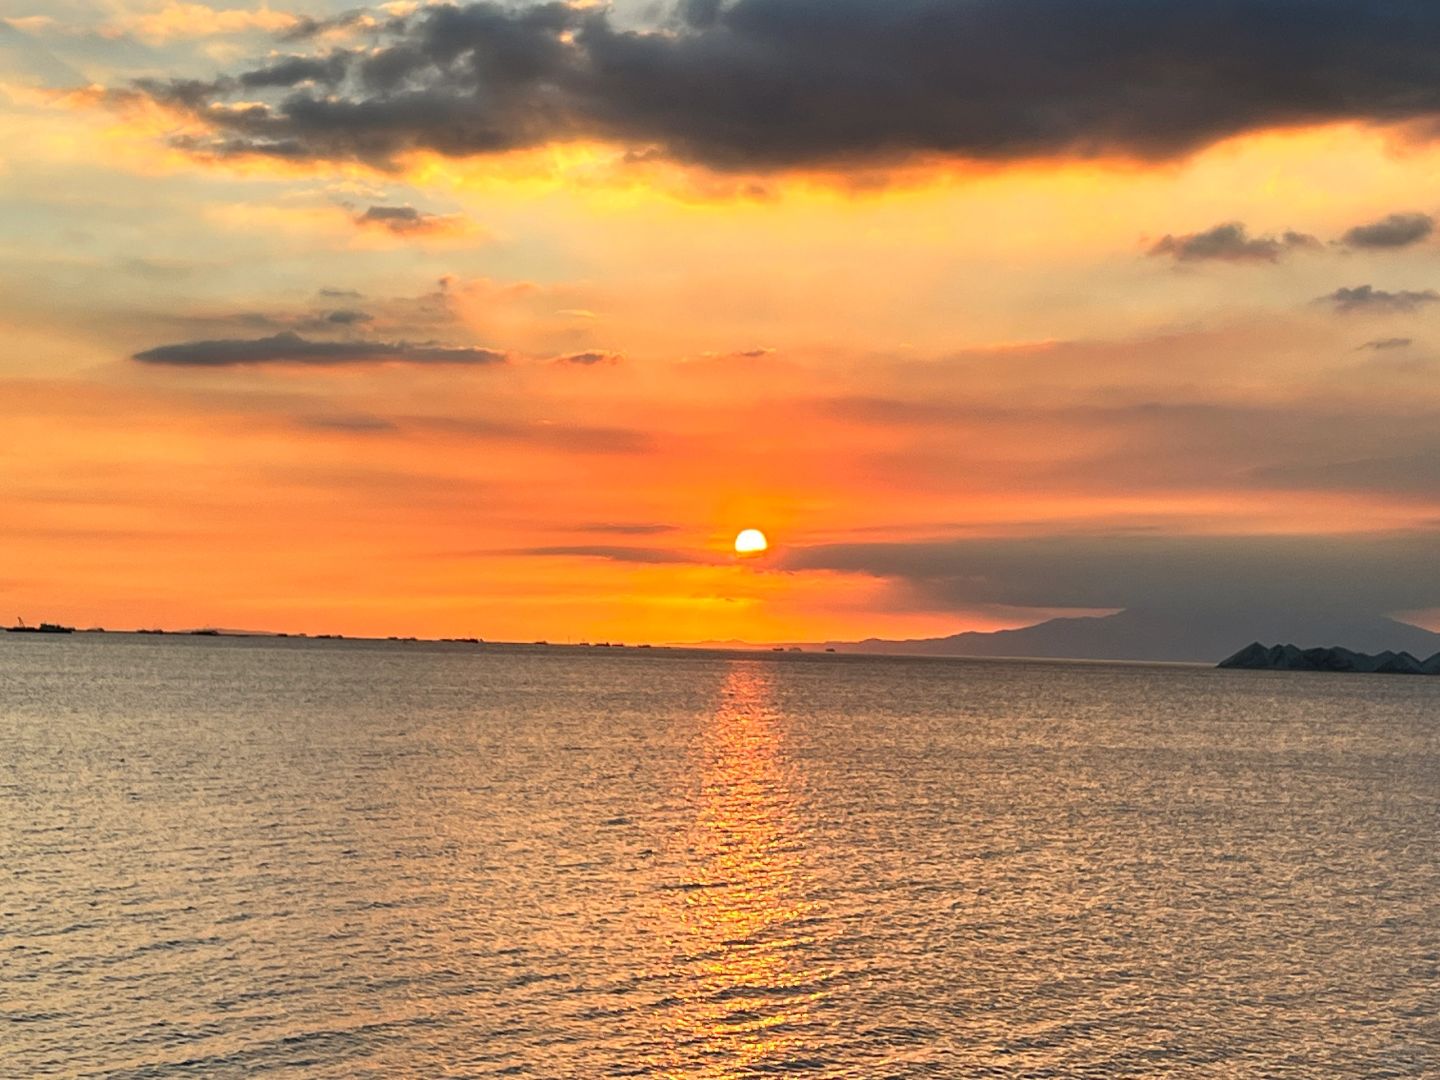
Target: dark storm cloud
x=769, y=84
x=291, y=348
x=1232, y=243
x=1360, y=573
x=1394, y=231
x=1368, y=298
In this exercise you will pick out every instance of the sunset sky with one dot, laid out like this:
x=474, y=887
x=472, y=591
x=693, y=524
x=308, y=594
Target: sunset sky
x=504, y=319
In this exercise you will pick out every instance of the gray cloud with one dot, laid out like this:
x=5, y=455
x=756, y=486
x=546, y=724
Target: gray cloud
x=290, y=71
x=611, y=552
x=1394, y=231
x=589, y=359
x=1411, y=474
x=1367, y=573
x=1385, y=344
x=1369, y=298
x=563, y=437
x=769, y=84
x=291, y=348
x=405, y=220
x=1232, y=243
x=348, y=317
x=624, y=529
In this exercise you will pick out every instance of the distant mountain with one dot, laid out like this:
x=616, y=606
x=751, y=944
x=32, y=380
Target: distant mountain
x=1154, y=635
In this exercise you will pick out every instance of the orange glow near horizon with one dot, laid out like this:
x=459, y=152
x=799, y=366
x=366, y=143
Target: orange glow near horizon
x=892, y=354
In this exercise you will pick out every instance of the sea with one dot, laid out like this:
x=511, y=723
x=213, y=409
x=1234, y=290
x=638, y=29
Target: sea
x=242, y=857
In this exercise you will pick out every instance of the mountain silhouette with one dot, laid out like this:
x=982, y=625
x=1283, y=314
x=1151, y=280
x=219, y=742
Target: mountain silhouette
x=1155, y=635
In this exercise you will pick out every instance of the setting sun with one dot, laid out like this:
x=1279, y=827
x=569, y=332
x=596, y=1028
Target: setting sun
x=750, y=542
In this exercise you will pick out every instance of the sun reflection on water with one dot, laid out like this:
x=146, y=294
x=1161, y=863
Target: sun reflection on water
x=747, y=918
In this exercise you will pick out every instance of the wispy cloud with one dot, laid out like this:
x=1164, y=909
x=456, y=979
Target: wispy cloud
x=1358, y=298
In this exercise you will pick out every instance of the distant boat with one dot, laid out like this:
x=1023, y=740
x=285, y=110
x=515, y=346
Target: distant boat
x=43, y=628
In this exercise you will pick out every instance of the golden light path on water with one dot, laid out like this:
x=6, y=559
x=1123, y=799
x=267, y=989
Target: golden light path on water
x=748, y=919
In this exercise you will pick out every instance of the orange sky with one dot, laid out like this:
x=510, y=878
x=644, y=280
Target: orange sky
x=894, y=352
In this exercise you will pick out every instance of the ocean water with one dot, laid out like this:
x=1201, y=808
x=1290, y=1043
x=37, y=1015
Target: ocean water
x=336, y=859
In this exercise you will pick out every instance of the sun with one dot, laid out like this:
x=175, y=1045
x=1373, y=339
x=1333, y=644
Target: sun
x=750, y=542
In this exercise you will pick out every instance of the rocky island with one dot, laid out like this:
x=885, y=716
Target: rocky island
x=1259, y=657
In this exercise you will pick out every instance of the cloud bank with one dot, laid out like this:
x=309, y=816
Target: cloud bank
x=1365, y=573
x=291, y=348
x=775, y=84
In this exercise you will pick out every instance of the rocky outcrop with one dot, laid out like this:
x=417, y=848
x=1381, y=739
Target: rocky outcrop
x=1259, y=657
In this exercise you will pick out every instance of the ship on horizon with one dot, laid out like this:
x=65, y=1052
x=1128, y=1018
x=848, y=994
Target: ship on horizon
x=20, y=627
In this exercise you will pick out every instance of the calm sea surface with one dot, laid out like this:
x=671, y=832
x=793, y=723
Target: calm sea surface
x=337, y=859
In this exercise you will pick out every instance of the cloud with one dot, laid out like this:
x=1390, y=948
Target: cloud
x=1358, y=573
x=296, y=71
x=625, y=529
x=307, y=26
x=774, y=84
x=1231, y=243
x=347, y=422
x=1407, y=475
x=590, y=359
x=1384, y=344
x=1368, y=298
x=347, y=317
x=408, y=221
x=575, y=438
x=612, y=553
x=1394, y=231
x=291, y=348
